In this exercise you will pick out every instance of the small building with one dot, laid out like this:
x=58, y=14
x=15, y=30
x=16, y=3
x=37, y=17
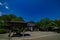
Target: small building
x=32, y=27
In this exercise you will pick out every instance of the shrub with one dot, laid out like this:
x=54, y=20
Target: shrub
x=3, y=31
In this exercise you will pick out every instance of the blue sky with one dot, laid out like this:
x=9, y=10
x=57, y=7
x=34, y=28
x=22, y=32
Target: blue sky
x=32, y=9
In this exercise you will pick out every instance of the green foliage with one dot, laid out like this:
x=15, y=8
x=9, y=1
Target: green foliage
x=18, y=19
x=57, y=23
x=43, y=22
x=3, y=31
x=10, y=17
x=25, y=29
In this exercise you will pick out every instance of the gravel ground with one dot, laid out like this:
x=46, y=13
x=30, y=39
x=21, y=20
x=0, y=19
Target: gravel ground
x=34, y=36
x=55, y=37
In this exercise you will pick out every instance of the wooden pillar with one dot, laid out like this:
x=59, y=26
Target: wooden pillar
x=9, y=34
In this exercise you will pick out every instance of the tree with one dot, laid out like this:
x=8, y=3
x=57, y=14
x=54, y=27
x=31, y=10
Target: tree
x=57, y=22
x=43, y=22
x=17, y=19
x=10, y=17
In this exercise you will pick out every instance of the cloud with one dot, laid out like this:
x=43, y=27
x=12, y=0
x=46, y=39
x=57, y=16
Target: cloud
x=6, y=7
x=1, y=3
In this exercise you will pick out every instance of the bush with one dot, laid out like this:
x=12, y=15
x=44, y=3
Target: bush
x=3, y=31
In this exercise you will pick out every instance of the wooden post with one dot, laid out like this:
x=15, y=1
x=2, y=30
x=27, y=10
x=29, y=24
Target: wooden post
x=9, y=34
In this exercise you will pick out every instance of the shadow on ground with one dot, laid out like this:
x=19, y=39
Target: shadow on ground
x=20, y=35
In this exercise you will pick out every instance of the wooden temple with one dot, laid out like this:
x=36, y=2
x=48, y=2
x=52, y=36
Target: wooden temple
x=16, y=27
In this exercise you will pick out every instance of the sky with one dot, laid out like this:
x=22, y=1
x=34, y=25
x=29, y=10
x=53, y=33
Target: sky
x=33, y=10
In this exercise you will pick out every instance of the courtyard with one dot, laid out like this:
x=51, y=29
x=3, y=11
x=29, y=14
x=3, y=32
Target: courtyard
x=36, y=35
